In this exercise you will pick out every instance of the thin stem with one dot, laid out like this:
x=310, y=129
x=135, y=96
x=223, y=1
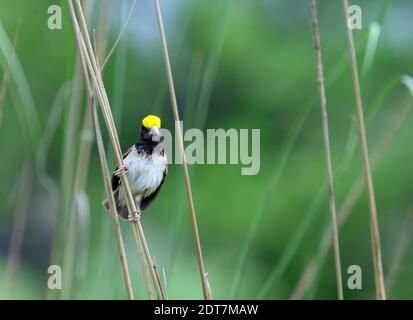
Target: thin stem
x=306, y=276
x=23, y=99
x=374, y=225
x=144, y=265
x=117, y=105
x=263, y=207
x=77, y=171
x=204, y=280
x=112, y=206
x=353, y=195
x=65, y=213
x=106, y=110
x=44, y=179
x=105, y=170
x=19, y=226
x=6, y=77
x=326, y=137
x=115, y=44
x=65, y=218
x=402, y=244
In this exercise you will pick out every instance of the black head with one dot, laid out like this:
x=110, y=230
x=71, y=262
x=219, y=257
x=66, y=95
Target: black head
x=150, y=135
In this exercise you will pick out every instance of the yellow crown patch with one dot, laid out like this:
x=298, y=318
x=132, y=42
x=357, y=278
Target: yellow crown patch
x=150, y=121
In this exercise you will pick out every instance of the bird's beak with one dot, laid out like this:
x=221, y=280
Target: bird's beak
x=155, y=133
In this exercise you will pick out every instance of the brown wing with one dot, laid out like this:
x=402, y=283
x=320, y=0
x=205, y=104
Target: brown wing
x=146, y=201
x=115, y=178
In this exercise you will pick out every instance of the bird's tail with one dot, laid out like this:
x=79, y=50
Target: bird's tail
x=121, y=209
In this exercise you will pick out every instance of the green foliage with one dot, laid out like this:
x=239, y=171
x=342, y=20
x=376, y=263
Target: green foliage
x=246, y=64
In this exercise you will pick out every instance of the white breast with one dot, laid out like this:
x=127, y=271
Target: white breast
x=145, y=173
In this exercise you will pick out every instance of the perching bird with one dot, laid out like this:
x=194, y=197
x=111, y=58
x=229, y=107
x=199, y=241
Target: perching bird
x=145, y=166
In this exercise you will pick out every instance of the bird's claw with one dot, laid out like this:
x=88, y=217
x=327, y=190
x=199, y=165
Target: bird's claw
x=135, y=217
x=123, y=170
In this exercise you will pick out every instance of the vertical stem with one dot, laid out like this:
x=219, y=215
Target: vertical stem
x=6, y=77
x=374, y=225
x=144, y=265
x=204, y=280
x=400, y=250
x=349, y=201
x=115, y=219
x=64, y=245
x=326, y=137
x=105, y=170
x=108, y=117
x=19, y=226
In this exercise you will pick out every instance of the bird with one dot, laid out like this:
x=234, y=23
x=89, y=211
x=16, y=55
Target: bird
x=146, y=166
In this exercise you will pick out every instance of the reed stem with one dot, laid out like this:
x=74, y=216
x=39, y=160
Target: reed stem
x=19, y=226
x=374, y=225
x=204, y=280
x=85, y=45
x=326, y=137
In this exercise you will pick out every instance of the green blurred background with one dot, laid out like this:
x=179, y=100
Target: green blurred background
x=236, y=64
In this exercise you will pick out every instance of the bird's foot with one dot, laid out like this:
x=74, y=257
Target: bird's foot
x=135, y=217
x=122, y=171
